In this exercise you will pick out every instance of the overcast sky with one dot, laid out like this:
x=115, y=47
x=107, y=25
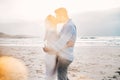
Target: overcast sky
x=15, y=11
x=11, y=10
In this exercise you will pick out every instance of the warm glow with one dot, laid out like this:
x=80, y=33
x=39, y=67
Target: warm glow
x=12, y=69
x=35, y=12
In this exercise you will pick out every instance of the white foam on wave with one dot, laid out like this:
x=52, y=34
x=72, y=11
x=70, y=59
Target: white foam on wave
x=97, y=41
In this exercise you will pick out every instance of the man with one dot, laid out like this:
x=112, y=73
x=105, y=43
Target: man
x=65, y=44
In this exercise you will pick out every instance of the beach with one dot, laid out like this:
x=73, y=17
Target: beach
x=90, y=62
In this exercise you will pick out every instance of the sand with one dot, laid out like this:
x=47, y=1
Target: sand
x=90, y=63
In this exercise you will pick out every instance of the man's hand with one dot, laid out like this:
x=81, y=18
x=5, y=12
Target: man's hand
x=68, y=44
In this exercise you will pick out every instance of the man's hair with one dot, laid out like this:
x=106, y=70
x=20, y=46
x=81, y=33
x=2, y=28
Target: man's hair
x=61, y=11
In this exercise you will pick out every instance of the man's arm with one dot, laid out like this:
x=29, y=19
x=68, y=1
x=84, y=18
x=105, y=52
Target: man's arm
x=64, y=39
x=70, y=43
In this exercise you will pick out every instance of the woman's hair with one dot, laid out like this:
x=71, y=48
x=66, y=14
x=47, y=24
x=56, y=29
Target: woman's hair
x=51, y=19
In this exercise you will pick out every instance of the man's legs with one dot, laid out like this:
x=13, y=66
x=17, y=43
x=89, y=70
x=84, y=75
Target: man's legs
x=62, y=68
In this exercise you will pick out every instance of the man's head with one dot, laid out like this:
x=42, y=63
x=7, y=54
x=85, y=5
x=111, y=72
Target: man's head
x=61, y=15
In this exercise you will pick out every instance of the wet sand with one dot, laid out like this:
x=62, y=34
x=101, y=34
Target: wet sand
x=90, y=63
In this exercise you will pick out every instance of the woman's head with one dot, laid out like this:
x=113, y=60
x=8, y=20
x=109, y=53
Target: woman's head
x=51, y=20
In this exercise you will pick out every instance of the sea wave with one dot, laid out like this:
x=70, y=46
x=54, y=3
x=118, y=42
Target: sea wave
x=97, y=41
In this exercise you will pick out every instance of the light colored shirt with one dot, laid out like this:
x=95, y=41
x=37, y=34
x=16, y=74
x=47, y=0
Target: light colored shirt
x=67, y=33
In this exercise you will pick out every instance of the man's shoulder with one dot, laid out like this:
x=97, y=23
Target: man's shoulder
x=71, y=24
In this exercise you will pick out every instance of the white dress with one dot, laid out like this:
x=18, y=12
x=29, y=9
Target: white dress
x=50, y=59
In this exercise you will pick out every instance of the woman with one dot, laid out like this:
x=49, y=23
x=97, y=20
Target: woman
x=50, y=38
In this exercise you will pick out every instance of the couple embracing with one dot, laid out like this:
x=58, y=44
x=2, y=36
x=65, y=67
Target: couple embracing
x=59, y=46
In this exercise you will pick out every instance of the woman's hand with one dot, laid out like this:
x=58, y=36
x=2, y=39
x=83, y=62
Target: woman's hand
x=46, y=49
x=50, y=51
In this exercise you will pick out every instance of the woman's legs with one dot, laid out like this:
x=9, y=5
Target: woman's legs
x=50, y=66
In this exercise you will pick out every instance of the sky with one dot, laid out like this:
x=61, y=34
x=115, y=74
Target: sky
x=12, y=10
x=18, y=11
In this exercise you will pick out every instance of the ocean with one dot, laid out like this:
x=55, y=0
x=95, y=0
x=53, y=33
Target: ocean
x=81, y=41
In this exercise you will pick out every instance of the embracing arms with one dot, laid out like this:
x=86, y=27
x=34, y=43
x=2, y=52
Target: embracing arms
x=65, y=41
x=52, y=51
